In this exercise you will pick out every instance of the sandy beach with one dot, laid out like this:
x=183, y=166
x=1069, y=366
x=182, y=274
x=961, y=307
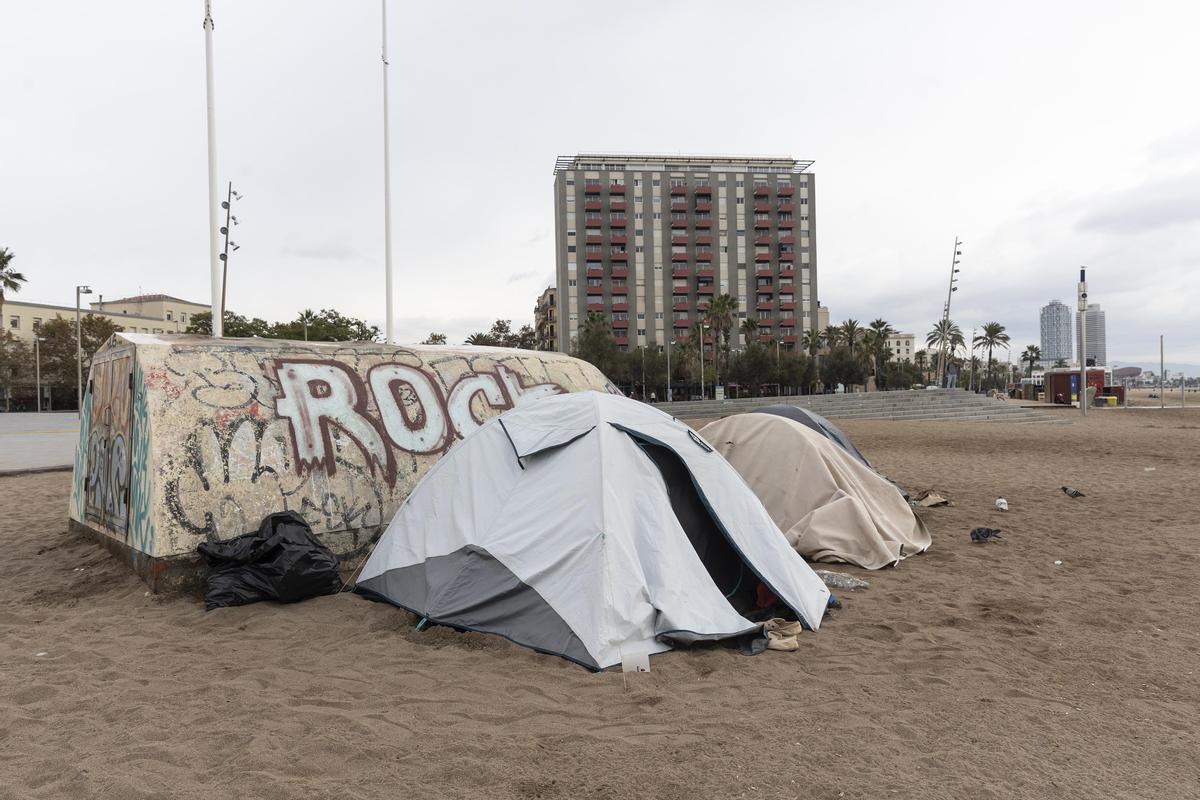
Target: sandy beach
x=974, y=670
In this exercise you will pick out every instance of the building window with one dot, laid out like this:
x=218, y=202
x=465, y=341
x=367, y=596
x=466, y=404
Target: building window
x=570, y=248
x=658, y=315
x=595, y=282
x=14, y=322
x=170, y=316
x=571, y=282
x=183, y=316
x=641, y=331
x=37, y=323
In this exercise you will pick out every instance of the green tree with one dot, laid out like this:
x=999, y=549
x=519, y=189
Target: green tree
x=834, y=336
x=594, y=344
x=435, y=338
x=236, y=325
x=16, y=365
x=881, y=330
x=945, y=337
x=502, y=335
x=1031, y=356
x=719, y=315
x=840, y=366
x=852, y=333
x=58, y=349
x=307, y=318
x=992, y=336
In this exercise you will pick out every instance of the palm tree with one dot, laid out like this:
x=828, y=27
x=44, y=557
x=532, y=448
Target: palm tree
x=10, y=279
x=881, y=331
x=947, y=337
x=811, y=340
x=1060, y=363
x=1031, y=356
x=307, y=317
x=921, y=361
x=749, y=328
x=992, y=336
x=852, y=332
x=721, y=313
x=833, y=336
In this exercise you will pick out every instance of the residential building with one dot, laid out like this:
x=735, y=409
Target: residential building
x=545, y=319
x=903, y=346
x=1095, y=334
x=822, y=317
x=150, y=313
x=649, y=240
x=1056, y=333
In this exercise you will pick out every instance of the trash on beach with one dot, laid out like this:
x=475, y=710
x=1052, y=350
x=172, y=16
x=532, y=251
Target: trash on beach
x=1069, y=492
x=1001, y=504
x=635, y=662
x=840, y=580
x=281, y=561
x=1149, y=469
x=983, y=534
x=928, y=498
x=1058, y=563
x=43, y=653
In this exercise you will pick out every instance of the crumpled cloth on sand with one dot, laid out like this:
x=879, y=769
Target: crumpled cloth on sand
x=782, y=634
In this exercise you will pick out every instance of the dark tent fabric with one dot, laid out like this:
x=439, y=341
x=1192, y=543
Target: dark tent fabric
x=281, y=561
x=818, y=423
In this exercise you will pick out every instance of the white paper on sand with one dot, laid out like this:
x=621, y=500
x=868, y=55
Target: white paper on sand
x=635, y=662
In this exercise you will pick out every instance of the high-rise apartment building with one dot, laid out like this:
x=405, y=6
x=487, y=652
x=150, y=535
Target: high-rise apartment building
x=1095, y=334
x=545, y=319
x=648, y=241
x=1056, y=333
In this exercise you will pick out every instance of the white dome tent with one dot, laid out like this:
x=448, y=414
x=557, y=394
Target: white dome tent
x=592, y=527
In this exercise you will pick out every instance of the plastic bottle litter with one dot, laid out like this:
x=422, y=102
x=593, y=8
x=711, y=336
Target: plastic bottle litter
x=1001, y=504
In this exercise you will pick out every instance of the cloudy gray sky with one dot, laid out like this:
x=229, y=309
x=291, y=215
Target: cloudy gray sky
x=1045, y=135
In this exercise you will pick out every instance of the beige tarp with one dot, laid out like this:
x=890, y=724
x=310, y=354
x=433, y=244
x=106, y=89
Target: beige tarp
x=830, y=506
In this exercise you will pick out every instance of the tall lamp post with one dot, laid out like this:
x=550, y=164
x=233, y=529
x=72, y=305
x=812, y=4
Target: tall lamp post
x=37, y=369
x=669, y=343
x=946, y=311
x=78, y=350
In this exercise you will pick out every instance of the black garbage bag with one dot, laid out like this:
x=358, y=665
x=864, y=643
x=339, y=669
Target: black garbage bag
x=281, y=561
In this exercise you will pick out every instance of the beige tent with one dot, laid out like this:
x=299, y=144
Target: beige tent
x=830, y=505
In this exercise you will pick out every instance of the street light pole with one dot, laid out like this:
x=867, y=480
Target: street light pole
x=78, y=349
x=218, y=318
x=946, y=313
x=37, y=361
x=669, y=370
x=387, y=192
x=1082, y=302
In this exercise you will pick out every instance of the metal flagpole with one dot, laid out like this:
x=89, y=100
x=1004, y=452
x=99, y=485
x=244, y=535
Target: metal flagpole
x=387, y=191
x=218, y=320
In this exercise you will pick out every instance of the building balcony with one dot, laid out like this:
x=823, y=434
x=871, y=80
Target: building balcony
x=787, y=207
x=702, y=306
x=762, y=191
x=677, y=239
x=619, y=304
x=681, y=271
x=787, y=271
x=595, y=272
x=682, y=323
x=620, y=271
x=764, y=272
x=593, y=239
x=679, y=223
x=704, y=223
x=787, y=321
x=621, y=341
x=679, y=307
x=616, y=188
x=595, y=306
x=704, y=272
x=785, y=224
x=762, y=208
x=765, y=323
x=620, y=290
x=592, y=290
x=765, y=338
x=619, y=255
x=789, y=257
x=704, y=256
x=616, y=222
x=679, y=256
x=616, y=205
x=787, y=238
x=760, y=257
x=789, y=339
x=704, y=238
x=703, y=205
x=761, y=224
x=620, y=323
x=678, y=190
x=591, y=223
x=785, y=191
x=679, y=206
x=591, y=188
x=704, y=189
x=762, y=238
x=704, y=288
x=617, y=238
x=788, y=306
x=591, y=205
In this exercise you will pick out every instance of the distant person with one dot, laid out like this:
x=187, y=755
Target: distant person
x=952, y=376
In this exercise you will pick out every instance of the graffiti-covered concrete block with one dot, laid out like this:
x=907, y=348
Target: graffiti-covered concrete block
x=189, y=437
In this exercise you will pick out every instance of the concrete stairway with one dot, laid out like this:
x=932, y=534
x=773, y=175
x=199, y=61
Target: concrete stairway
x=919, y=405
